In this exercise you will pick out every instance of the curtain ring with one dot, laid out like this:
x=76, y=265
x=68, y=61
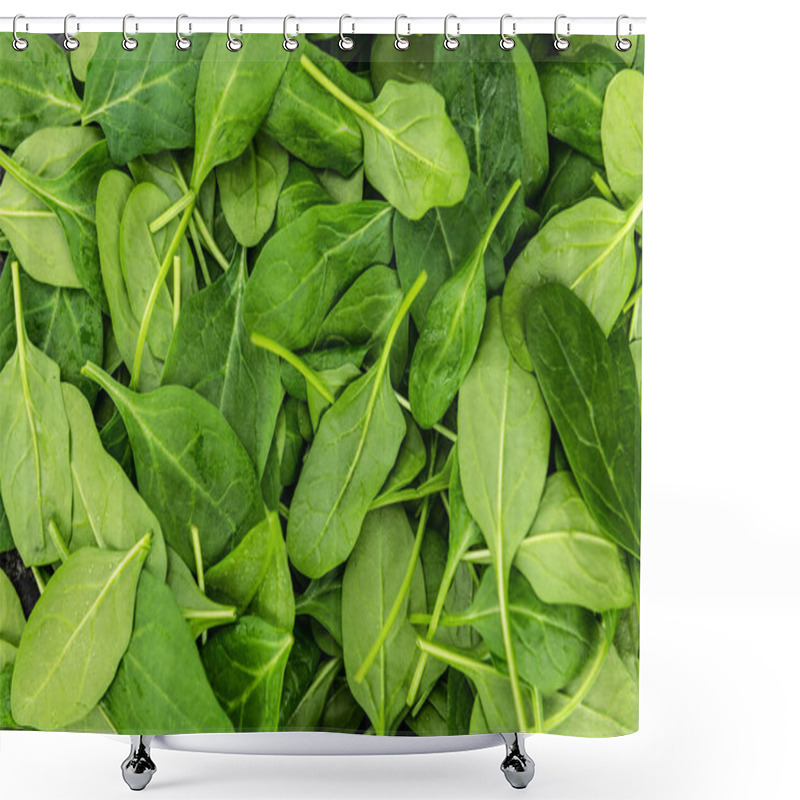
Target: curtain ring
x=451, y=42
x=346, y=42
x=506, y=42
x=623, y=44
x=181, y=42
x=400, y=42
x=70, y=42
x=234, y=44
x=289, y=42
x=19, y=44
x=559, y=42
x=128, y=42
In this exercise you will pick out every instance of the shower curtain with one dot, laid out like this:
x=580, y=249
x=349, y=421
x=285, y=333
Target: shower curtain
x=320, y=388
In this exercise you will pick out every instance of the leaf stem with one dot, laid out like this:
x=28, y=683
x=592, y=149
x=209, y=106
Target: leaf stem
x=227, y=613
x=176, y=208
x=538, y=710
x=198, y=217
x=405, y=586
x=198, y=558
x=151, y=300
x=440, y=429
x=433, y=625
x=498, y=215
x=287, y=355
x=433, y=486
x=198, y=248
x=176, y=291
x=58, y=540
x=405, y=307
x=211, y=245
x=508, y=646
x=323, y=80
x=198, y=563
x=632, y=300
x=455, y=659
x=37, y=576
x=603, y=187
x=477, y=556
x=588, y=682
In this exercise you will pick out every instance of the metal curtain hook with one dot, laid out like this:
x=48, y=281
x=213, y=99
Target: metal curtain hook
x=128, y=42
x=623, y=44
x=289, y=43
x=234, y=44
x=346, y=42
x=400, y=42
x=559, y=42
x=70, y=42
x=19, y=44
x=181, y=42
x=451, y=42
x=506, y=42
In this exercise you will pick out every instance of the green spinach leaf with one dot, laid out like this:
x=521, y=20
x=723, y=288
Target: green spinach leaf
x=621, y=134
x=566, y=558
x=245, y=663
x=64, y=323
x=75, y=637
x=371, y=582
x=350, y=458
x=144, y=102
x=582, y=387
x=307, y=712
x=113, y=193
x=211, y=353
x=588, y=248
x=301, y=191
x=36, y=89
x=107, y=512
x=249, y=187
x=412, y=153
x=237, y=577
x=309, y=122
x=495, y=103
x=192, y=470
x=440, y=242
x=34, y=227
x=410, y=65
x=574, y=86
x=160, y=686
x=503, y=453
x=601, y=701
x=322, y=600
x=570, y=181
x=234, y=93
x=12, y=619
x=291, y=289
x=449, y=339
x=200, y=612
x=35, y=479
x=551, y=642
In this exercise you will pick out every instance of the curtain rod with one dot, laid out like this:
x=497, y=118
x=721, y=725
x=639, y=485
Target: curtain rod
x=567, y=26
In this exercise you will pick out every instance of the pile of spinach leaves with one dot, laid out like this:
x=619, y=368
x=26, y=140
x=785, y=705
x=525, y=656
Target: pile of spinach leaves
x=320, y=387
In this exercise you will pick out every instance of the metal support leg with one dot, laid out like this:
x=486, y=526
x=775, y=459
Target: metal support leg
x=517, y=766
x=138, y=768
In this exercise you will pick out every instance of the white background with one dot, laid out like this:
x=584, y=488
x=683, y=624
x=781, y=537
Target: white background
x=720, y=715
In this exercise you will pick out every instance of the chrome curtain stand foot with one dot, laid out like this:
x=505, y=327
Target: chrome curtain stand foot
x=138, y=768
x=517, y=766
